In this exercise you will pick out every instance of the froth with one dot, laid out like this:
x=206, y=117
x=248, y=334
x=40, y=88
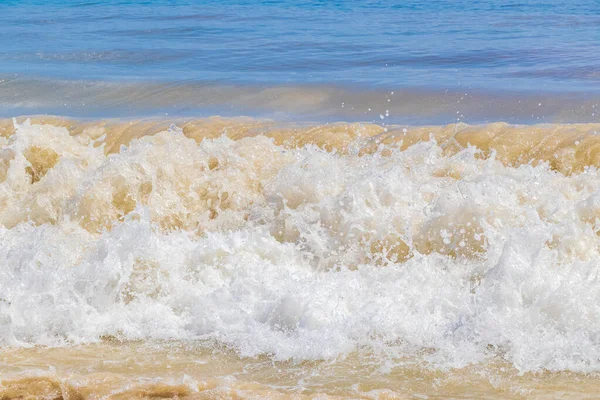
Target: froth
x=306, y=242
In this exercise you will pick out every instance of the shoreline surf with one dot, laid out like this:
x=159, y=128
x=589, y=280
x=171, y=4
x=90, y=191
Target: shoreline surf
x=305, y=200
x=429, y=260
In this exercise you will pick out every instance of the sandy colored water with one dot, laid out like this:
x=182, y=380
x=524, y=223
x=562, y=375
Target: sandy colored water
x=566, y=147
x=243, y=258
x=184, y=370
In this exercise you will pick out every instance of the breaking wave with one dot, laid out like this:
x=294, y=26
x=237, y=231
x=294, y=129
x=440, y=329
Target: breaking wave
x=458, y=244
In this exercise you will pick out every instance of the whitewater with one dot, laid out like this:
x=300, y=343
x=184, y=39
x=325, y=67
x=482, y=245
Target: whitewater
x=369, y=253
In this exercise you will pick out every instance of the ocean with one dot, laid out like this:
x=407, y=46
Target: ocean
x=319, y=199
x=476, y=61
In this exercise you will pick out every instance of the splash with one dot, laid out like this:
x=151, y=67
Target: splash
x=449, y=246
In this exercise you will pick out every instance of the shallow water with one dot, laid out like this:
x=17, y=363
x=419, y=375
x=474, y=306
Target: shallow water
x=191, y=371
x=249, y=258
x=297, y=103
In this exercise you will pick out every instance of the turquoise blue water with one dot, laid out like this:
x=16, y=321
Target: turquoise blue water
x=487, y=46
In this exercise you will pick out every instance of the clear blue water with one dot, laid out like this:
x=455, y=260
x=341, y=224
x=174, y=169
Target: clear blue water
x=174, y=50
x=515, y=45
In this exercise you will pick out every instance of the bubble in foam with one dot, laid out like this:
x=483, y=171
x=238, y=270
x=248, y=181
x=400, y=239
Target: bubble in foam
x=302, y=251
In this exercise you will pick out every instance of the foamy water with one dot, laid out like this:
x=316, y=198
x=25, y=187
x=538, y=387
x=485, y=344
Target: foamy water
x=258, y=250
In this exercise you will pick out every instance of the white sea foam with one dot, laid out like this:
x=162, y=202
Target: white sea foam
x=299, y=253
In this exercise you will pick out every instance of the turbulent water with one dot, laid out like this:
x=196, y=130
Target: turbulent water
x=148, y=250
x=241, y=257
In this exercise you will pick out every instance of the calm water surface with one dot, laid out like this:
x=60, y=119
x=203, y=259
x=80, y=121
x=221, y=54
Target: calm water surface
x=435, y=46
x=551, y=45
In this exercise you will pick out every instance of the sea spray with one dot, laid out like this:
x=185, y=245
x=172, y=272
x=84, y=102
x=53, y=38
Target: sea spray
x=299, y=252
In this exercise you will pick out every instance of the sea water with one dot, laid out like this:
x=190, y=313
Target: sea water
x=476, y=61
x=219, y=256
x=156, y=251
